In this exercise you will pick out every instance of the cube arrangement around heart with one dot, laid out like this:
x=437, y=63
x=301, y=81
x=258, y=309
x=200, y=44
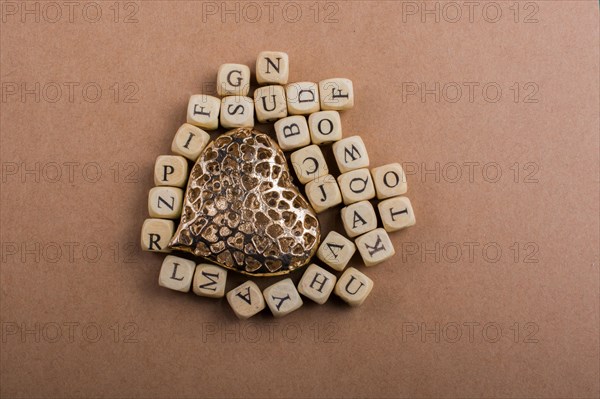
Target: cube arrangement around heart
x=306, y=116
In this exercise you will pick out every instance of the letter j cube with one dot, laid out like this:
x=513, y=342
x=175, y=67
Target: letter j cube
x=323, y=193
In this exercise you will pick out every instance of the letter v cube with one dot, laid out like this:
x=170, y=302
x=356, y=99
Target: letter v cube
x=246, y=300
x=336, y=250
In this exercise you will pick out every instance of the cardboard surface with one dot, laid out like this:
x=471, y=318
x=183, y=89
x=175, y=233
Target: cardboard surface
x=492, y=108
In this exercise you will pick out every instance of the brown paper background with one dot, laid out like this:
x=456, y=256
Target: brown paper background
x=439, y=322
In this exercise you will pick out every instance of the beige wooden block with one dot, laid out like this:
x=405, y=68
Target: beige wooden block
x=292, y=132
x=396, y=213
x=233, y=80
x=353, y=287
x=203, y=111
x=282, y=297
x=176, y=273
x=316, y=284
x=272, y=67
x=356, y=185
x=323, y=193
x=246, y=300
x=336, y=94
x=325, y=127
x=302, y=98
x=375, y=247
x=309, y=163
x=358, y=218
x=237, y=111
x=209, y=280
x=170, y=170
x=189, y=141
x=336, y=250
x=270, y=103
x=156, y=234
x=350, y=153
x=389, y=180
x=165, y=202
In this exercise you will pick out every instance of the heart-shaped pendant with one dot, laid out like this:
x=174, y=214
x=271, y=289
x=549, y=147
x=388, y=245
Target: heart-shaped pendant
x=242, y=211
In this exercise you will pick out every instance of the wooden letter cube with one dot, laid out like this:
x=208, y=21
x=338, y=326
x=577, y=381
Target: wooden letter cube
x=156, y=234
x=336, y=250
x=233, y=80
x=350, y=153
x=325, y=127
x=317, y=284
x=176, y=273
x=272, y=67
x=237, y=111
x=282, y=297
x=353, y=287
x=246, y=300
x=356, y=185
x=323, y=193
x=396, y=213
x=336, y=94
x=209, y=280
x=165, y=202
x=203, y=111
x=302, y=98
x=170, y=170
x=309, y=163
x=389, y=180
x=375, y=247
x=189, y=141
x=359, y=218
x=292, y=132
x=270, y=103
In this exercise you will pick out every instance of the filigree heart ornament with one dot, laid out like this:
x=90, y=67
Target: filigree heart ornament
x=242, y=211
